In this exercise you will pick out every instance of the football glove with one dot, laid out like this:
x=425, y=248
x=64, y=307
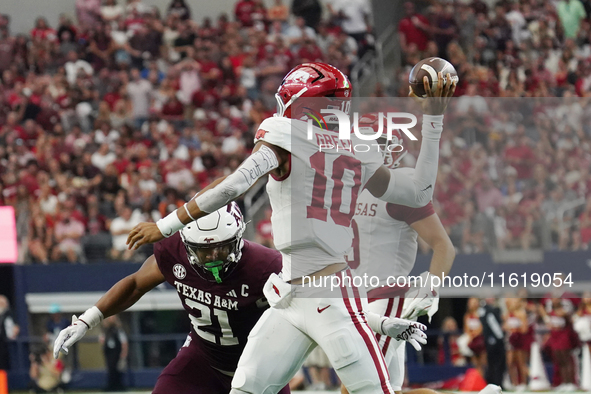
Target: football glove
x=399, y=329
x=74, y=332
x=277, y=291
x=422, y=300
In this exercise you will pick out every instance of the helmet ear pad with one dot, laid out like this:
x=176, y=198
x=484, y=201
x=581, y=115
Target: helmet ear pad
x=218, y=234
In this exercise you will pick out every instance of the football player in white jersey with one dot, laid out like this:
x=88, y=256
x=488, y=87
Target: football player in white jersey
x=311, y=229
x=385, y=246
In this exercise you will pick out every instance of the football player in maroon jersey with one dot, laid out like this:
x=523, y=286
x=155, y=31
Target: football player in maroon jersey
x=219, y=278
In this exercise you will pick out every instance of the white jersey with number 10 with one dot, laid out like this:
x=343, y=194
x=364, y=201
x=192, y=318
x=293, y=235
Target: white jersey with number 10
x=313, y=205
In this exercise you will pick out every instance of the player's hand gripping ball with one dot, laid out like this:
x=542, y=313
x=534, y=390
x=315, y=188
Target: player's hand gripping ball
x=430, y=68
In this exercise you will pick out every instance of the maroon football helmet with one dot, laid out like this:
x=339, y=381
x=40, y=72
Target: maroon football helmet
x=315, y=79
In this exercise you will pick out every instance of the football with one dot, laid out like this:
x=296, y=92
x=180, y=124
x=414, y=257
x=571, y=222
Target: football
x=430, y=67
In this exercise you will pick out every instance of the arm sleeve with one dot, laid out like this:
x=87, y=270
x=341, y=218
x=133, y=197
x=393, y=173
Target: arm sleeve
x=254, y=167
x=416, y=190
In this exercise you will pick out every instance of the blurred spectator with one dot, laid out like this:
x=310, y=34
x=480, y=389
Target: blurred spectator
x=584, y=238
x=449, y=341
x=473, y=329
x=296, y=34
x=103, y=157
x=264, y=235
x=244, y=11
x=56, y=322
x=354, y=17
x=553, y=209
x=68, y=231
x=279, y=12
x=115, y=350
x=516, y=227
x=88, y=12
x=179, y=177
x=473, y=230
x=139, y=91
x=310, y=10
x=75, y=67
x=516, y=327
x=571, y=13
x=111, y=11
x=414, y=29
x=560, y=342
x=494, y=340
x=8, y=332
x=170, y=202
x=443, y=27
x=120, y=228
x=40, y=239
x=488, y=197
x=179, y=9
x=45, y=371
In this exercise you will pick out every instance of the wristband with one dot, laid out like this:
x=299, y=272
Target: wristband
x=170, y=224
x=432, y=127
x=375, y=321
x=92, y=317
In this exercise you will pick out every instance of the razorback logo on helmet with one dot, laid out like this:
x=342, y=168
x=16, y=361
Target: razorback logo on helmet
x=301, y=76
x=208, y=240
x=260, y=133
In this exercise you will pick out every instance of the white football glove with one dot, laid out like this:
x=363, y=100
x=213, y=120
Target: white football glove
x=405, y=330
x=74, y=332
x=399, y=329
x=277, y=291
x=69, y=336
x=422, y=300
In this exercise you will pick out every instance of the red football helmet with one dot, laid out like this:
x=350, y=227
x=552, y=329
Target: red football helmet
x=392, y=150
x=315, y=79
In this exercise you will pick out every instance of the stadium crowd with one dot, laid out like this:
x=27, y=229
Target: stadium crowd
x=119, y=115
x=514, y=172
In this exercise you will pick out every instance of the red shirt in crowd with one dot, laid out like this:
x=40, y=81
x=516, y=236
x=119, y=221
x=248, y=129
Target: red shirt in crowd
x=522, y=158
x=412, y=33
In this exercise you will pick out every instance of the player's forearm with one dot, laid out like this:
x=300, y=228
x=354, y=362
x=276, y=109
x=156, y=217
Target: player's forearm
x=416, y=190
x=121, y=296
x=443, y=258
x=425, y=173
x=234, y=185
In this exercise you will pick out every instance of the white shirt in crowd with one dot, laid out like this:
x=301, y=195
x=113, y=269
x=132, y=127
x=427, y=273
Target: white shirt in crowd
x=119, y=224
x=101, y=161
x=72, y=69
x=139, y=92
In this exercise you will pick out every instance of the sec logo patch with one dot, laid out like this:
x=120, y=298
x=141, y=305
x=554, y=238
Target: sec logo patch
x=179, y=271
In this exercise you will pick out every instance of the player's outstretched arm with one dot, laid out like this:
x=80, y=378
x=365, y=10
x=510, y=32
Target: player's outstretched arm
x=416, y=190
x=424, y=299
x=121, y=296
x=264, y=159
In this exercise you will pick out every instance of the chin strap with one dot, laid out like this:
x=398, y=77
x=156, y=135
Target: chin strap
x=215, y=267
